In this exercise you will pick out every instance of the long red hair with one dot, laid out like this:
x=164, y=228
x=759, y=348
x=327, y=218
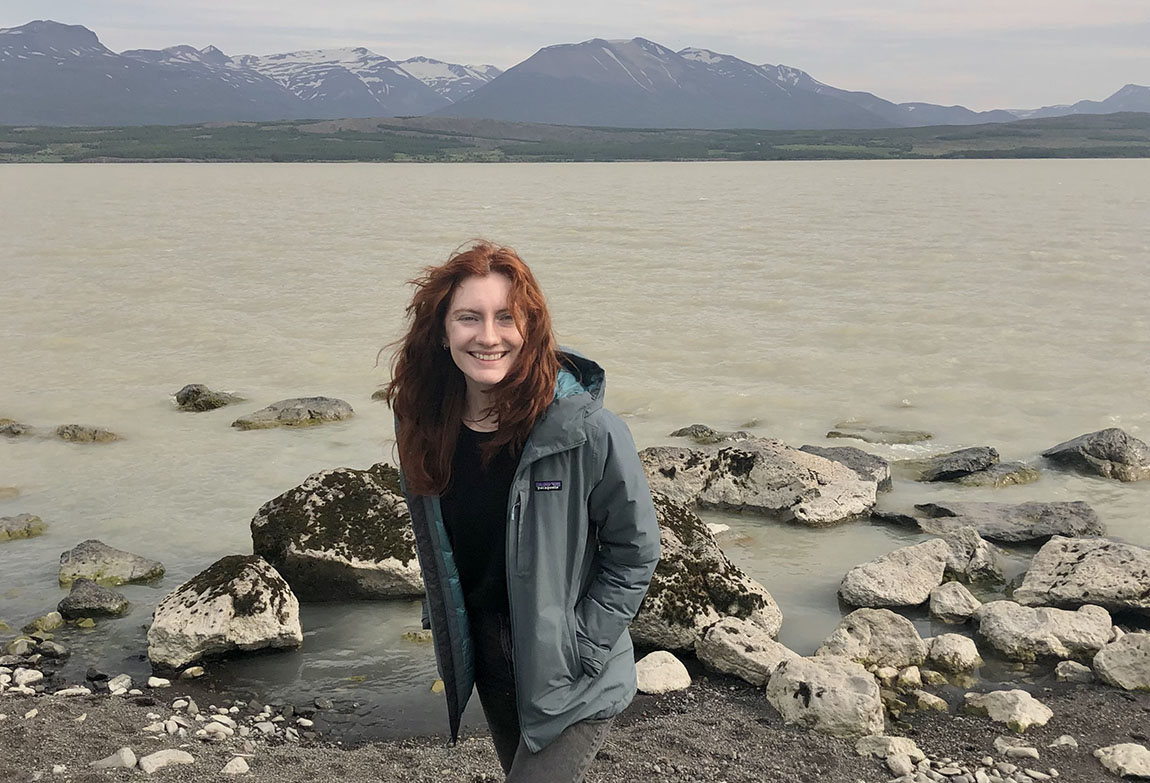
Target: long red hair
x=427, y=391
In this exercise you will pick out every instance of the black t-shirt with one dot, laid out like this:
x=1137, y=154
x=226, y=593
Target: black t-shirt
x=475, y=513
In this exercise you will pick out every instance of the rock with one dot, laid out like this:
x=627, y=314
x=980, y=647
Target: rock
x=10, y=428
x=164, y=758
x=899, y=764
x=422, y=636
x=741, y=648
x=760, y=475
x=121, y=682
x=1016, y=708
x=956, y=464
x=124, y=758
x=53, y=650
x=192, y=673
x=1125, y=663
x=237, y=766
x=7, y=493
x=716, y=528
x=77, y=433
x=197, y=397
x=341, y=534
x=1111, y=453
x=885, y=747
x=1012, y=523
x=296, y=412
x=21, y=526
x=1127, y=760
x=704, y=435
x=1004, y=474
x=828, y=694
x=695, y=585
x=877, y=434
x=1070, y=572
x=971, y=559
x=909, y=678
x=1023, y=633
x=661, y=672
x=78, y=690
x=928, y=701
x=44, y=623
x=952, y=603
x=876, y=636
x=238, y=603
x=101, y=563
x=1013, y=747
x=1072, y=671
x=26, y=677
x=869, y=467
x=903, y=577
x=1064, y=741
x=88, y=599
x=952, y=652
x=159, y=682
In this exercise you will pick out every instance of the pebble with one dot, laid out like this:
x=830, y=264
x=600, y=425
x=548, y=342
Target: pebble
x=237, y=766
x=224, y=719
x=78, y=690
x=266, y=728
x=26, y=677
x=124, y=758
x=159, y=682
x=135, y=692
x=304, y=723
x=1021, y=753
x=171, y=726
x=83, y=717
x=1064, y=741
x=30, y=714
x=59, y=769
x=154, y=728
x=179, y=704
x=164, y=758
x=323, y=704
x=193, y=708
x=120, y=682
x=192, y=672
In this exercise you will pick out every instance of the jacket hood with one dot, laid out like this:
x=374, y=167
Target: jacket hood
x=579, y=389
x=578, y=375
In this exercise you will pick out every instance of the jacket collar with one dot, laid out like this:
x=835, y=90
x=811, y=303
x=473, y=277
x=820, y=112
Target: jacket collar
x=579, y=391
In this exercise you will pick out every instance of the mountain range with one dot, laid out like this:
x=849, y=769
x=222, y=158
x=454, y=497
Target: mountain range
x=57, y=74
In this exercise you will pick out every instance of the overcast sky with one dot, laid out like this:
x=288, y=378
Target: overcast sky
x=983, y=54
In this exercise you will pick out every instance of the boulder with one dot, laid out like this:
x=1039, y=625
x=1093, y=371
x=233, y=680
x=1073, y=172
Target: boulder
x=1017, y=708
x=829, y=694
x=88, y=599
x=95, y=560
x=1004, y=474
x=952, y=603
x=341, y=534
x=1022, y=633
x=1112, y=453
x=869, y=467
x=704, y=435
x=1012, y=523
x=971, y=558
x=21, y=526
x=1125, y=663
x=695, y=585
x=956, y=464
x=1126, y=760
x=78, y=433
x=197, y=397
x=903, y=577
x=296, y=412
x=741, y=648
x=661, y=672
x=952, y=652
x=1070, y=572
x=760, y=475
x=877, y=433
x=238, y=603
x=876, y=636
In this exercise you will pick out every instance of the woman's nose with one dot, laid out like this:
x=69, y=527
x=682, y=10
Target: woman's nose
x=489, y=336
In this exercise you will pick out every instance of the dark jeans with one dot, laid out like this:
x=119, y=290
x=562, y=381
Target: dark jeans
x=565, y=760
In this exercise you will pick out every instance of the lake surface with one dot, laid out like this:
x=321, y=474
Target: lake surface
x=1000, y=303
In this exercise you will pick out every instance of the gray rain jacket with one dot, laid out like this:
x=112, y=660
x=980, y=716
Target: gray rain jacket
x=582, y=544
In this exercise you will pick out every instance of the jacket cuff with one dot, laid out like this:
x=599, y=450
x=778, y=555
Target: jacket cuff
x=590, y=656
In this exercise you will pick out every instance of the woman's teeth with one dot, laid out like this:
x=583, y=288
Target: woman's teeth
x=489, y=357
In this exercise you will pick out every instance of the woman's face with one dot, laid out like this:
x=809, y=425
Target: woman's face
x=481, y=332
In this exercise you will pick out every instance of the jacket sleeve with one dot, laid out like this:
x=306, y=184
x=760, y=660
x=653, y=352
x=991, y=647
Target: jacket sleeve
x=621, y=510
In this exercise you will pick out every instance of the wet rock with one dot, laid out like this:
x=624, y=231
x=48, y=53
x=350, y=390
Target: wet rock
x=238, y=603
x=78, y=433
x=876, y=636
x=296, y=412
x=197, y=397
x=341, y=534
x=903, y=577
x=1125, y=663
x=971, y=558
x=956, y=464
x=44, y=623
x=695, y=585
x=1016, y=708
x=869, y=467
x=952, y=603
x=88, y=599
x=10, y=428
x=1012, y=523
x=877, y=433
x=1004, y=474
x=829, y=694
x=952, y=652
x=704, y=435
x=661, y=672
x=95, y=560
x=1023, y=633
x=1112, y=453
x=1127, y=760
x=1070, y=572
x=1072, y=671
x=165, y=758
x=21, y=526
x=763, y=476
x=54, y=650
x=741, y=648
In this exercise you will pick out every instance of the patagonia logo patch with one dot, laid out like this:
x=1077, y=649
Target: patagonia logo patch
x=548, y=486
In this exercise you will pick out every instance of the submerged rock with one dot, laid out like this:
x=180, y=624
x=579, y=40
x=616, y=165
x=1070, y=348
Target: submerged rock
x=877, y=434
x=1023, y=633
x=1112, y=453
x=695, y=585
x=1004, y=474
x=741, y=648
x=88, y=599
x=341, y=534
x=704, y=435
x=869, y=467
x=95, y=560
x=238, y=603
x=956, y=464
x=197, y=397
x=1070, y=572
x=21, y=526
x=10, y=428
x=903, y=577
x=78, y=433
x=829, y=694
x=1011, y=523
x=1125, y=663
x=296, y=412
x=876, y=636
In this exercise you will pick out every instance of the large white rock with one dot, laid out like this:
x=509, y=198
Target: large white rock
x=741, y=648
x=1022, y=633
x=1126, y=760
x=661, y=672
x=695, y=585
x=952, y=652
x=1070, y=572
x=876, y=636
x=1125, y=663
x=1016, y=708
x=761, y=475
x=165, y=758
x=903, y=577
x=828, y=694
x=952, y=603
x=238, y=603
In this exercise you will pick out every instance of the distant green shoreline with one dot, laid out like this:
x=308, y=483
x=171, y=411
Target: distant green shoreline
x=446, y=139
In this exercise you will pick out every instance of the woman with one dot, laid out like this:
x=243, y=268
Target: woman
x=532, y=516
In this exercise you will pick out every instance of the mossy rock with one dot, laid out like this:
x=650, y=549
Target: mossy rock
x=21, y=526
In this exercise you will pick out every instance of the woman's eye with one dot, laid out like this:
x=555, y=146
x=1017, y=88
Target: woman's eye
x=506, y=318
x=466, y=318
